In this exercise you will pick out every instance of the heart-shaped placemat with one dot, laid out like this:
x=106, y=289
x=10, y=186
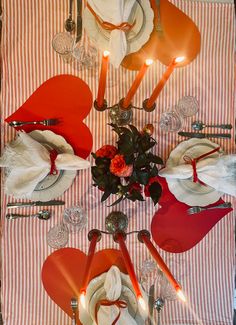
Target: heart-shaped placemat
x=64, y=97
x=63, y=272
x=174, y=230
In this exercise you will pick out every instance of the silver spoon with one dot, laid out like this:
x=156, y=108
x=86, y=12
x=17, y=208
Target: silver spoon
x=42, y=214
x=198, y=126
x=69, y=23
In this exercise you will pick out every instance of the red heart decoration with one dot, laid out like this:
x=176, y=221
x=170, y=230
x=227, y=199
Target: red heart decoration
x=63, y=271
x=174, y=230
x=67, y=98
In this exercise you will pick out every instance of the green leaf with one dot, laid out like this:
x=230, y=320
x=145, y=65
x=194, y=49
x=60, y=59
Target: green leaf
x=93, y=155
x=135, y=195
x=154, y=171
x=141, y=161
x=105, y=195
x=116, y=202
x=155, y=159
x=155, y=190
x=143, y=177
x=129, y=159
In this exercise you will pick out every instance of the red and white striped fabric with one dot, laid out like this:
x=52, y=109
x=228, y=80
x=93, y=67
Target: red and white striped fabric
x=28, y=61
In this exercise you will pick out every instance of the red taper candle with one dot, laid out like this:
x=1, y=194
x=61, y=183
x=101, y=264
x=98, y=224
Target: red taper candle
x=94, y=236
x=127, y=100
x=151, y=100
x=119, y=237
x=144, y=237
x=102, y=80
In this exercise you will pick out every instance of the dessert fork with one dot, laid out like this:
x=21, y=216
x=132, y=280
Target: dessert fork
x=48, y=122
x=74, y=307
x=197, y=209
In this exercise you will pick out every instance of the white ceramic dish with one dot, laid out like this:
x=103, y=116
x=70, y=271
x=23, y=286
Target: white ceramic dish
x=143, y=15
x=52, y=186
x=185, y=190
x=96, y=292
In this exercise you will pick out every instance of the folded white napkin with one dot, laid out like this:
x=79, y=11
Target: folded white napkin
x=107, y=314
x=28, y=163
x=115, y=12
x=219, y=173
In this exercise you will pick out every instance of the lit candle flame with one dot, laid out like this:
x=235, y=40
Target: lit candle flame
x=181, y=295
x=179, y=59
x=82, y=298
x=149, y=62
x=142, y=303
x=106, y=54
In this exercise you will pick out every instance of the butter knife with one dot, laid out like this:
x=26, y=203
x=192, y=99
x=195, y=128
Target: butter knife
x=79, y=21
x=151, y=303
x=33, y=204
x=205, y=135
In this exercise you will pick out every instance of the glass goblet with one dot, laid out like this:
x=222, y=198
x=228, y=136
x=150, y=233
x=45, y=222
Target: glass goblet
x=85, y=55
x=170, y=121
x=75, y=218
x=57, y=236
x=62, y=43
x=187, y=106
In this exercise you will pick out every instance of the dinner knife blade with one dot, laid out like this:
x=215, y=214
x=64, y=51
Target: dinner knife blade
x=32, y=204
x=79, y=21
x=151, y=303
x=205, y=135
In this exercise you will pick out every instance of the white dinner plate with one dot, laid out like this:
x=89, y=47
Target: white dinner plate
x=143, y=15
x=187, y=191
x=53, y=186
x=95, y=292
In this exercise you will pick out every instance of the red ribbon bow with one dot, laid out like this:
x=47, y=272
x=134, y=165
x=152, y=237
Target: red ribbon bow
x=104, y=302
x=53, y=156
x=193, y=162
x=125, y=26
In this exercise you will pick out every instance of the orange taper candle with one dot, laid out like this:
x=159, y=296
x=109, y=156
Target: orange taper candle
x=144, y=237
x=150, y=102
x=95, y=237
x=128, y=264
x=102, y=79
x=136, y=83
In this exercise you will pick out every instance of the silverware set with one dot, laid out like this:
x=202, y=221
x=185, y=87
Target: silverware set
x=47, y=122
x=42, y=214
x=199, y=126
x=197, y=209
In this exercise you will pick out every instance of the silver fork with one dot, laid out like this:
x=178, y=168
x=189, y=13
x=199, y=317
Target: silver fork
x=74, y=307
x=48, y=122
x=198, y=209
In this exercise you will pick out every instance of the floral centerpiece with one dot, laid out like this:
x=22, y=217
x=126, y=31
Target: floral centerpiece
x=130, y=168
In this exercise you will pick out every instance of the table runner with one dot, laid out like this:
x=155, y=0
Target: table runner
x=206, y=271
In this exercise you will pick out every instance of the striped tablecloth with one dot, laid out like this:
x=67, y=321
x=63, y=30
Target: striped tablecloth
x=206, y=271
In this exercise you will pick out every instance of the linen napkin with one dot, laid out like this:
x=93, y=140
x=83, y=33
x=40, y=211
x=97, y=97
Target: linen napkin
x=28, y=162
x=115, y=12
x=113, y=287
x=219, y=173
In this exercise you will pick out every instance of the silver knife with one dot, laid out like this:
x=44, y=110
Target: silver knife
x=33, y=204
x=79, y=21
x=205, y=135
x=151, y=303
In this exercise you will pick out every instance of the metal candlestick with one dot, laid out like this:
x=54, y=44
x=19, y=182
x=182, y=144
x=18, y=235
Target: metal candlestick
x=120, y=115
x=158, y=305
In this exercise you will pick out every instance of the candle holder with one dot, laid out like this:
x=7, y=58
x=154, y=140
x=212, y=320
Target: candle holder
x=146, y=108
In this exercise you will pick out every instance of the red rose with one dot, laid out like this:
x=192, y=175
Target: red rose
x=119, y=168
x=135, y=187
x=150, y=182
x=106, y=151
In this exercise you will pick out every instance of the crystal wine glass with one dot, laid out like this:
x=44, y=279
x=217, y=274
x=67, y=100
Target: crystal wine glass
x=75, y=218
x=62, y=43
x=57, y=236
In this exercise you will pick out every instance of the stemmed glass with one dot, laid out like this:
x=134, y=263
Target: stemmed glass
x=75, y=218
x=62, y=43
x=58, y=236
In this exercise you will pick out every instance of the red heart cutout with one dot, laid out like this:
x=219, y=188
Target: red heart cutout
x=63, y=271
x=174, y=230
x=67, y=98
